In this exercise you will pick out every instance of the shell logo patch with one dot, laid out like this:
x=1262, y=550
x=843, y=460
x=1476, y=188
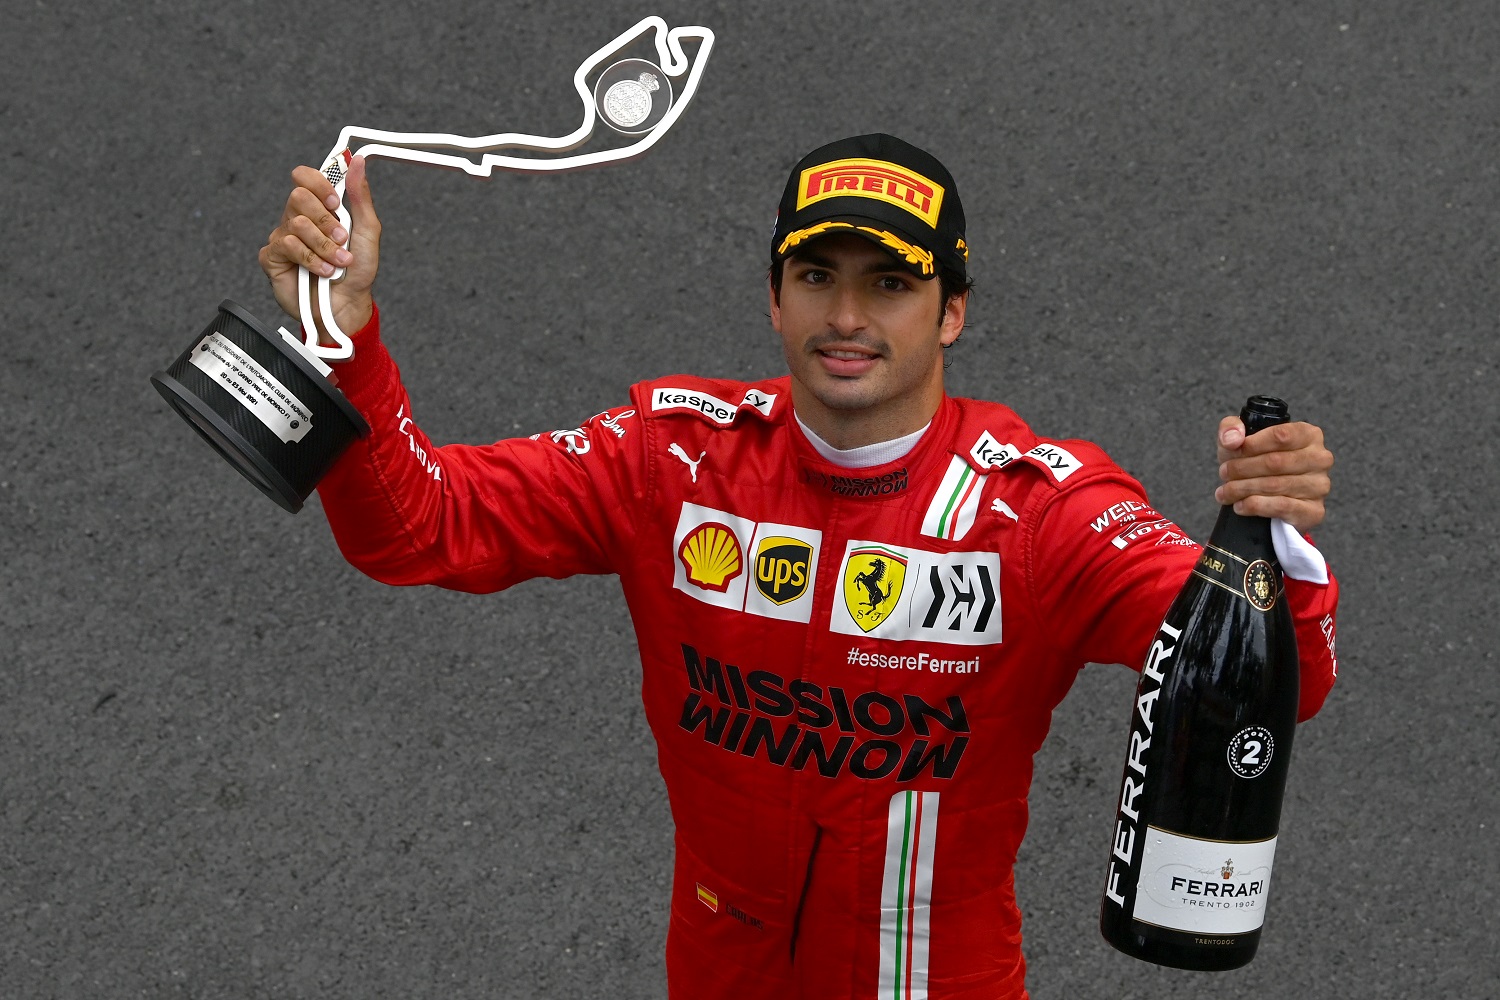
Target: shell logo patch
x=711, y=556
x=873, y=579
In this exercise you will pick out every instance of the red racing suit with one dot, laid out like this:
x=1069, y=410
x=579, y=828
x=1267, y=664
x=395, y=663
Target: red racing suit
x=847, y=673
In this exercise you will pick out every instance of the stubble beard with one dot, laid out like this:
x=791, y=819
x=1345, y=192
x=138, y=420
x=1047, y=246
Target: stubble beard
x=888, y=382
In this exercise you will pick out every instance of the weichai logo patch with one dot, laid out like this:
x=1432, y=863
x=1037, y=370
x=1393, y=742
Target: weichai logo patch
x=873, y=578
x=878, y=180
x=781, y=568
x=711, y=556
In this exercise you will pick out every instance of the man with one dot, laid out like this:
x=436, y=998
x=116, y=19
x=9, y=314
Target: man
x=857, y=599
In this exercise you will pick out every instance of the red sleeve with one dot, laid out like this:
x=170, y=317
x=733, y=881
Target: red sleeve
x=1105, y=566
x=475, y=518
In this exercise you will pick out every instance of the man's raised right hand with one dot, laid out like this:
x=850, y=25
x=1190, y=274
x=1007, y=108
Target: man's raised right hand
x=310, y=235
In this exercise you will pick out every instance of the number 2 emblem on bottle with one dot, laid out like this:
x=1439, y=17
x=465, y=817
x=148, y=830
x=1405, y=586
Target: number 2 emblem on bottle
x=1250, y=751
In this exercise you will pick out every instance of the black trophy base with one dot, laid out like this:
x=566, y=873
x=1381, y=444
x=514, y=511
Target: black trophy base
x=261, y=405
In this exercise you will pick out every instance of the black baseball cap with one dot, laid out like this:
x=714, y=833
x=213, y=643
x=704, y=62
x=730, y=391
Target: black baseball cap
x=882, y=188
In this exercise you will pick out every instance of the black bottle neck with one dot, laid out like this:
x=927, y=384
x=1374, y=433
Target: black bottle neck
x=1246, y=536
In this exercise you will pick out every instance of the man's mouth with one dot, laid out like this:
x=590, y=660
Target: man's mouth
x=846, y=362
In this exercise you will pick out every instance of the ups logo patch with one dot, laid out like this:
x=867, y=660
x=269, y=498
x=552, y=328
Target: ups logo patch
x=781, y=568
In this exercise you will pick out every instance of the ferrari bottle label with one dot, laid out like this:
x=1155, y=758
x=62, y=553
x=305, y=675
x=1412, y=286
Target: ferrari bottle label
x=1203, y=886
x=1255, y=581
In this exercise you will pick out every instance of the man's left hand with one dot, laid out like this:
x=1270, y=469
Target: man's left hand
x=1281, y=471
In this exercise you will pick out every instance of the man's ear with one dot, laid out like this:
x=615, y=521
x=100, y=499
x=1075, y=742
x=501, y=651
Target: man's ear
x=775, y=306
x=955, y=314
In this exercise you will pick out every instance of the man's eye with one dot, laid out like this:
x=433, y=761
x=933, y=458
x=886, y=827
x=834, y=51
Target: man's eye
x=815, y=276
x=892, y=284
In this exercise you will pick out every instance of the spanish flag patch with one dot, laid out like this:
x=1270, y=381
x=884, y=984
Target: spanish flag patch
x=707, y=898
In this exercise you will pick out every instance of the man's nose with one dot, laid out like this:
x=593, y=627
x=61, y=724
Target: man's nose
x=848, y=315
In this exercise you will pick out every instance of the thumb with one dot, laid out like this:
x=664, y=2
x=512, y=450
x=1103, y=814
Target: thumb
x=358, y=200
x=1231, y=437
x=364, y=227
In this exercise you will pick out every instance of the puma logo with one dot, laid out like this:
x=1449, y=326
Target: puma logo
x=676, y=449
x=1001, y=507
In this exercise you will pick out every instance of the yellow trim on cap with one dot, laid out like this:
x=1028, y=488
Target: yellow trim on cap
x=912, y=254
x=803, y=235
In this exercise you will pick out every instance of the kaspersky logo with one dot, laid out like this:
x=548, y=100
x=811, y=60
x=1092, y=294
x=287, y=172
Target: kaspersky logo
x=879, y=180
x=873, y=578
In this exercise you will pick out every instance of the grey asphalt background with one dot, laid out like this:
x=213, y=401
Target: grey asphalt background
x=232, y=767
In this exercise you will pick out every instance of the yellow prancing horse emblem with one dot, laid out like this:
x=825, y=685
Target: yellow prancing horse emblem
x=873, y=578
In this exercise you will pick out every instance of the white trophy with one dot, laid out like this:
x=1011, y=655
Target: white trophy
x=264, y=399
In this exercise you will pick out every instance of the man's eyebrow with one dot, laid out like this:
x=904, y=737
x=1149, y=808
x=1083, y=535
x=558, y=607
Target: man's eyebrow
x=886, y=265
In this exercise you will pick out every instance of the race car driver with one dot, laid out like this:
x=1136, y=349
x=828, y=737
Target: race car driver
x=857, y=599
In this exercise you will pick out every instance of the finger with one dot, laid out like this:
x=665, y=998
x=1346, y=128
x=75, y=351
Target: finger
x=1231, y=432
x=322, y=188
x=1283, y=437
x=1309, y=487
x=1304, y=515
x=274, y=253
x=323, y=246
x=270, y=261
x=1230, y=436
x=289, y=249
x=1277, y=463
x=303, y=203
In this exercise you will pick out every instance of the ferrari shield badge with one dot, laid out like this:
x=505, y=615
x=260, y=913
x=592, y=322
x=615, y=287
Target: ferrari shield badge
x=873, y=578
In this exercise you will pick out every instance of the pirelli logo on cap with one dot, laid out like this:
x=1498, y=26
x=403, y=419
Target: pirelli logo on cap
x=875, y=179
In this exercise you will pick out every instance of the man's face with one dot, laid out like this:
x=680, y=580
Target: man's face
x=863, y=338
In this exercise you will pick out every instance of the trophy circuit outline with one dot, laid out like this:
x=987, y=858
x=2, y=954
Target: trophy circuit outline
x=426, y=147
x=267, y=400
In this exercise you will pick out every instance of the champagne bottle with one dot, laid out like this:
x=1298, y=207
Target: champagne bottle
x=1210, y=739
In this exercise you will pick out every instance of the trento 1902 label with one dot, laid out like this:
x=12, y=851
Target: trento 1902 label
x=1203, y=886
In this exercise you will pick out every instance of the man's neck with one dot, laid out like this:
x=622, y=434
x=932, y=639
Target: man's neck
x=864, y=456
x=846, y=429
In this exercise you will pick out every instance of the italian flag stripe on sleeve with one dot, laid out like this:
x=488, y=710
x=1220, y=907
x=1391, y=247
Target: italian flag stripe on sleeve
x=906, y=895
x=954, y=506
